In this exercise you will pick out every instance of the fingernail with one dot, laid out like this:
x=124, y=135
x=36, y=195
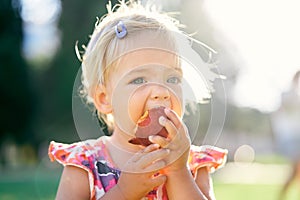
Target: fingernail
x=162, y=120
x=156, y=145
x=167, y=110
x=150, y=138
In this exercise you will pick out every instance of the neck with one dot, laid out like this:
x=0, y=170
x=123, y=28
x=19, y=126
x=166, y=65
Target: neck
x=120, y=149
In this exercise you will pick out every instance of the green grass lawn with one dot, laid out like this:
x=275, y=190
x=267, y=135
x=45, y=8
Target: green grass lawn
x=29, y=184
x=28, y=190
x=42, y=184
x=252, y=192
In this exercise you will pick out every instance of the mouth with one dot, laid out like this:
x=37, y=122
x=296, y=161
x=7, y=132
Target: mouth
x=153, y=107
x=162, y=104
x=157, y=106
x=148, y=125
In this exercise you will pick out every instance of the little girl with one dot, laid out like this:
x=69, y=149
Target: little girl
x=131, y=65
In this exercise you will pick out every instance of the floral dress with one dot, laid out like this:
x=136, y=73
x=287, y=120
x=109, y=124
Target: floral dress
x=93, y=156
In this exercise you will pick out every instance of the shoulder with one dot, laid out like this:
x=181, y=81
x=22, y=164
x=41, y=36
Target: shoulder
x=209, y=156
x=79, y=161
x=75, y=153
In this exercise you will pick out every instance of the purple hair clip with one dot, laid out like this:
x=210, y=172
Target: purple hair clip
x=120, y=30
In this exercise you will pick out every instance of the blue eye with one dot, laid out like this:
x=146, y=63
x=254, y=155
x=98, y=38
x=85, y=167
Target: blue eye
x=174, y=80
x=138, y=81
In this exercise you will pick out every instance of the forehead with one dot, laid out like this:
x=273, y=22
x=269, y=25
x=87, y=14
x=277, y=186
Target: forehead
x=144, y=57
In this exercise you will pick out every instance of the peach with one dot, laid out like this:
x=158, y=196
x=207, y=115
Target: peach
x=148, y=125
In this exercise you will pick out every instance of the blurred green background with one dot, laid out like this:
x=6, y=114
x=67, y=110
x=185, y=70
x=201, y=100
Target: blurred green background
x=38, y=66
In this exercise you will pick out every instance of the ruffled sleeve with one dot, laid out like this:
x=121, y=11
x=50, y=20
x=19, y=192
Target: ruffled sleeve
x=209, y=156
x=82, y=155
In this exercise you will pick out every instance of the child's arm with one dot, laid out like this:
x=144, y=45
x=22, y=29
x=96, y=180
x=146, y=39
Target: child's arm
x=182, y=181
x=74, y=184
x=204, y=183
x=181, y=185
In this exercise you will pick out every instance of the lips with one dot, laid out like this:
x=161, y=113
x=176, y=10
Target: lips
x=149, y=125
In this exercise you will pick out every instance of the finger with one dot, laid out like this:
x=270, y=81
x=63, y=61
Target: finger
x=152, y=157
x=137, y=156
x=173, y=117
x=169, y=125
x=161, y=141
x=158, y=180
x=186, y=131
x=150, y=148
x=155, y=167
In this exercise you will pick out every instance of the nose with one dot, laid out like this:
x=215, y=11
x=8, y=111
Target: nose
x=160, y=93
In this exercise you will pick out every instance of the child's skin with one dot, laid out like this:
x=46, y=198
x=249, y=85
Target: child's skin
x=127, y=86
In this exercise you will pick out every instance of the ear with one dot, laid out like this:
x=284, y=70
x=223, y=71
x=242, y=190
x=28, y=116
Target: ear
x=102, y=101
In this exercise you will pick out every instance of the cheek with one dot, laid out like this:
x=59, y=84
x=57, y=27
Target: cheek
x=177, y=100
x=137, y=105
x=121, y=101
x=177, y=105
x=128, y=105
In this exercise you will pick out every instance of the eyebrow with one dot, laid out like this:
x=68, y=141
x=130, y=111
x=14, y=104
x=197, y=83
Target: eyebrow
x=142, y=70
x=178, y=69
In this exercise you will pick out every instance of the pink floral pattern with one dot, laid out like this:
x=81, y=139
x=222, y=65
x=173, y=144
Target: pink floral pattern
x=92, y=156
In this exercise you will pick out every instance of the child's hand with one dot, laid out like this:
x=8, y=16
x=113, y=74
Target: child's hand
x=138, y=177
x=178, y=141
